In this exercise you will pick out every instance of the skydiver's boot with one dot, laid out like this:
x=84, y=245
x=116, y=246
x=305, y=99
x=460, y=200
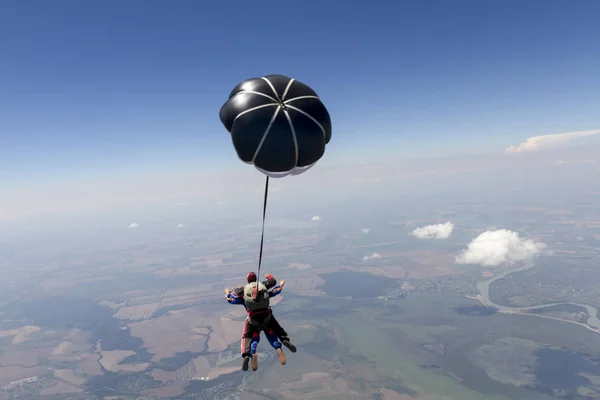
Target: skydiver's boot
x=281, y=356
x=286, y=342
x=245, y=364
x=254, y=362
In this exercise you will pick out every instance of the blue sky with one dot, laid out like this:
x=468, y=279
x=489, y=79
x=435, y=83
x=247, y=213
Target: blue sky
x=92, y=90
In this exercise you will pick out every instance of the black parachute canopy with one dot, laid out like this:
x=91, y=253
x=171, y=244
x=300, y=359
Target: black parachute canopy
x=277, y=123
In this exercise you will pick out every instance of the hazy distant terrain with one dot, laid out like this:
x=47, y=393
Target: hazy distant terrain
x=375, y=312
x=433, y=185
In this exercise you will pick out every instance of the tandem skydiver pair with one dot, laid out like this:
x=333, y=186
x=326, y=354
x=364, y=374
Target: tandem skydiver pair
x=255, y=297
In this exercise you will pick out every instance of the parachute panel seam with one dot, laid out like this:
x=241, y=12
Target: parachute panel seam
x=258, y=93
x=293, y=136
x=272, y=88
x=311, y=118
x=264, y=136
x=285, y=92
x=302, y=97
x=253, y=109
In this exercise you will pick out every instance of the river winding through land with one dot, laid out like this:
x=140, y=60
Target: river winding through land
x=484, y=291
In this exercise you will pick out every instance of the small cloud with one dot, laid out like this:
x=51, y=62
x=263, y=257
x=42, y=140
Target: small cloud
x=543, y=142
x=437, y=231
x=492, y=248
x=315, y=218
x=180, y=226
x=366, y=230
x=133, y=225
x=372, y=256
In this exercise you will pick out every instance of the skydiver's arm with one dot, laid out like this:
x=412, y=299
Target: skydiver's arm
x=232, y=297
x=276, y=290
x=270, y=282
x=238, y=290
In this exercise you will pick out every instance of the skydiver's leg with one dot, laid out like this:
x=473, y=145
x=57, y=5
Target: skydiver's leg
x=277, y=328
x=245, y=346
x=253, y=346
x=281, y=333
x=272, y=338
x=247, y=339
x=245, y=363
x=254, y=340
x=251, y=330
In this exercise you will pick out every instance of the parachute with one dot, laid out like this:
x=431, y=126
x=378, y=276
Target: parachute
x=277, y=124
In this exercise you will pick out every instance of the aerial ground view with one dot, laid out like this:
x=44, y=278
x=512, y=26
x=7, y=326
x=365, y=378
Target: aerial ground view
x=424, y=176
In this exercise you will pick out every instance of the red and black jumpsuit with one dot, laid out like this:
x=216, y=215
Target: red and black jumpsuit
x=259, y=320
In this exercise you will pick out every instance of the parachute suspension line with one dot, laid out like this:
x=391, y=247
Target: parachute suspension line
x=262, y=235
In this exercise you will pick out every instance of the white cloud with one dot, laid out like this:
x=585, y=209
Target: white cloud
x=315, y=218
x=180, y=226
x=133, y=225
x=366, y=230
x=542, y=142
x=372, y=256
x=492, y=248
x=437, y=231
